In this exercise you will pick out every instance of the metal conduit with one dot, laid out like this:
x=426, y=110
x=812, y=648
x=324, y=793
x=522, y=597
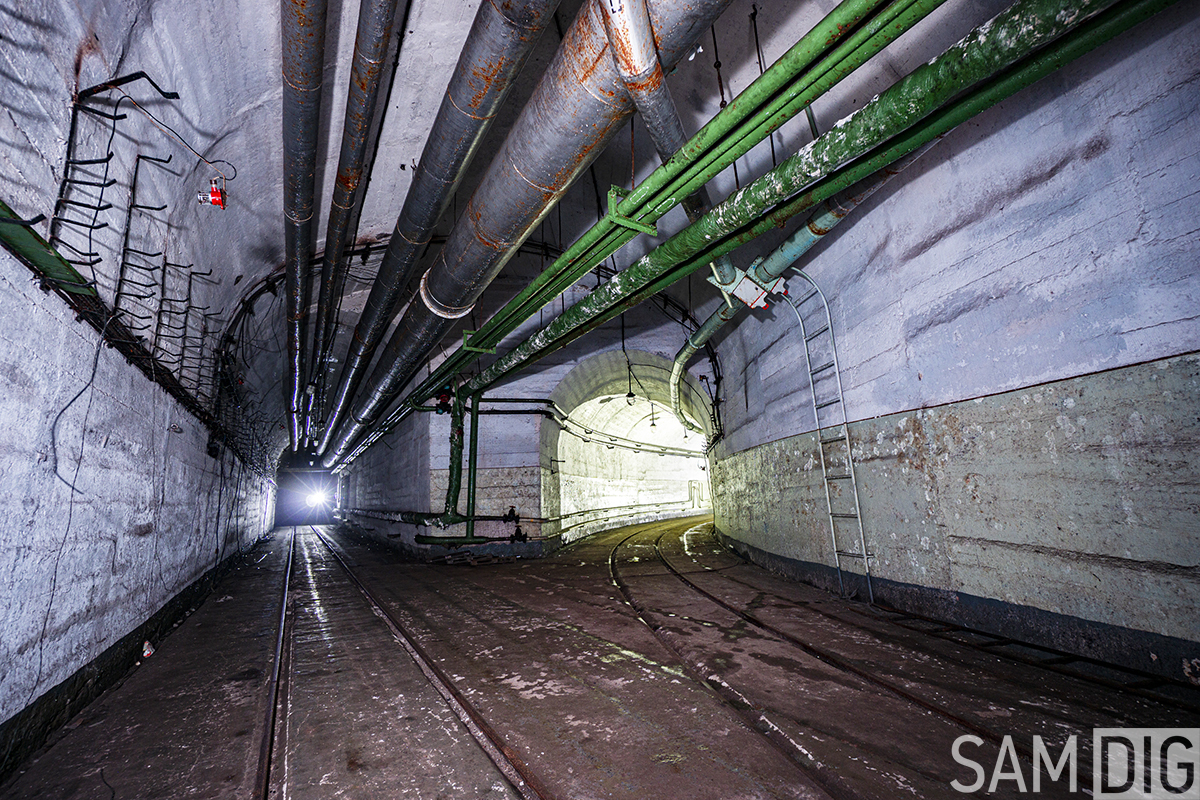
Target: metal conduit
x=767, y=270
x=501, y=38
x=577, y=107
x=627, y=23
x=303, y=36
x=375, y=21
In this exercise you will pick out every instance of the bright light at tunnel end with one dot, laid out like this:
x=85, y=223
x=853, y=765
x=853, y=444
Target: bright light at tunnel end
x=316, y=499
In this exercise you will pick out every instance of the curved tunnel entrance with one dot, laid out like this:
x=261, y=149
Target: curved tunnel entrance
x=621, y=456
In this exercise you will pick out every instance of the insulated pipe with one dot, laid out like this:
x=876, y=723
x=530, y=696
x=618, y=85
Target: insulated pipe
x=577, y=107
x=303, y=34
x=627, y=23
x=769, y=269
x=375, y=20
x=501, y=38
x=887, y=128
x=694, y=342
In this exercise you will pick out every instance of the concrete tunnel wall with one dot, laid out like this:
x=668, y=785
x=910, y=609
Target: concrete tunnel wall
x=86, y=570
x=1017, y=323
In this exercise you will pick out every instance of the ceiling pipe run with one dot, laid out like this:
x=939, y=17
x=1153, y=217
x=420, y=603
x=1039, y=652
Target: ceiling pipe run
x=807, y=70
x=501, y=39
x=768, y=270
x=303, y=34
x=577, y=107
x=375, y=21
x=631, y=35
x=1019, y=46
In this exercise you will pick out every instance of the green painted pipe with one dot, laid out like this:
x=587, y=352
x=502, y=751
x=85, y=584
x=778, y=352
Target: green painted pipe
x=28, y=246
x=987, y=50
x=449, y=516
x=472, y=463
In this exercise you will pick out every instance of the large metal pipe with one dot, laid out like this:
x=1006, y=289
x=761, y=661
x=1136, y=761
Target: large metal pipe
x=577, y=107
x=303, y=35
x=375, y=22
x=501, y=38
x=627, y=23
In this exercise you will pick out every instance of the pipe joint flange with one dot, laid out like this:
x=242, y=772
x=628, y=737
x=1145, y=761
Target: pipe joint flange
x=443, y=311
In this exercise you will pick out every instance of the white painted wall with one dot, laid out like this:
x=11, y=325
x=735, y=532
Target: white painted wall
x=151, y=512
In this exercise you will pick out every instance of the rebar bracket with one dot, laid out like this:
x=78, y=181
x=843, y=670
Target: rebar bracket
x=615, y=195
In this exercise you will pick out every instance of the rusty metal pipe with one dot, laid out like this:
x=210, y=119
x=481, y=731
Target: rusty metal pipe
x=375, y=22
x=577, y=107
x=631, y=35
x=303, y=37
x=501, y=38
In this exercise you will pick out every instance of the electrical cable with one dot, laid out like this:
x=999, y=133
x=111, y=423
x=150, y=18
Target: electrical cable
x=174, y=133
x=103, y=331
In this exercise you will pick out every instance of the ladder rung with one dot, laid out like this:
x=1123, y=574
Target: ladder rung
x=837, y=477
x=811, y=293
x=839, y=515
x=829, y=403
x=822, y=368
x=817, y=332
x=841, y=437
x=848, y=554
x=1057, y=660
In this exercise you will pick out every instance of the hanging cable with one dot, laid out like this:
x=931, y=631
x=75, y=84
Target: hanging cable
x=721, y=87
x=762, y=67
x=176, y=135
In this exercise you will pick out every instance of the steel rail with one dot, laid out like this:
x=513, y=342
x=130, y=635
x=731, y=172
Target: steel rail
x=507, y=760
x=730, y=697
x=262, y=780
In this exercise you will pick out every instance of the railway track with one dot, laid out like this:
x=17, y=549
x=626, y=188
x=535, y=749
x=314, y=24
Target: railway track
x=1133, y=682
x=772, y=722
x=673, y=587
x=515, y=771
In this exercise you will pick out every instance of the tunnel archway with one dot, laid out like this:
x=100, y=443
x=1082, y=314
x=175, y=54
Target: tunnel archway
x=621, y=456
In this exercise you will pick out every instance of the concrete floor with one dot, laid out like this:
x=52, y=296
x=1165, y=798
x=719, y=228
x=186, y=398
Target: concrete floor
x=641, y=663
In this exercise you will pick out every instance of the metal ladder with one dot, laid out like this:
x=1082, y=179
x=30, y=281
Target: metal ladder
x=833, y=434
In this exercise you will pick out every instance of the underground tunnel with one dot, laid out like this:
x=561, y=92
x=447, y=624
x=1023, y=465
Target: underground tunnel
x=600, y=399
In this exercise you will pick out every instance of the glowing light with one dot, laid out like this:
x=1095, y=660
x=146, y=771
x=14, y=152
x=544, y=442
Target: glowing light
x=316, y=499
